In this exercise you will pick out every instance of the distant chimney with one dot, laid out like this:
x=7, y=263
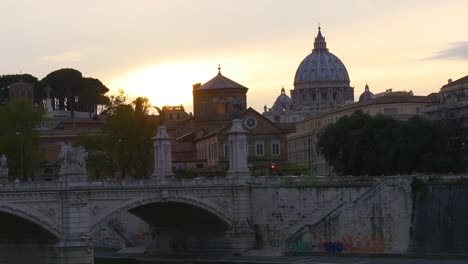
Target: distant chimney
x=449, y=80
x=196, y=86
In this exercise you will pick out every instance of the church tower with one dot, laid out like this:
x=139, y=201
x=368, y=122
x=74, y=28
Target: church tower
x=217, y=101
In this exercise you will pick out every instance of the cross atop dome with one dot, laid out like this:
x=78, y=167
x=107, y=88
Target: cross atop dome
x=320, y=43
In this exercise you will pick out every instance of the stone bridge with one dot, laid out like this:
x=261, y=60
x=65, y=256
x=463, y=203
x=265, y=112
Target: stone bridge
x=52, y=221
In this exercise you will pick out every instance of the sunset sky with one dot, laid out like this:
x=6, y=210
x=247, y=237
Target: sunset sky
x=158, y=49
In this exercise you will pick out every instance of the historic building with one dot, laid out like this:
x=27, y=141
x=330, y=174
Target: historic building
x=265, y=142
x=366, y=95
x=451, y=107
x=200, y=142
x=301, y=144
x=452, y=102
x=321, y=84
x=21, y=91
x=215, y=102
x=58, y=127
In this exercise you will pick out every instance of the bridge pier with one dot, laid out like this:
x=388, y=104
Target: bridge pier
x=242, y=234
x=74, y=250
x=76, y=246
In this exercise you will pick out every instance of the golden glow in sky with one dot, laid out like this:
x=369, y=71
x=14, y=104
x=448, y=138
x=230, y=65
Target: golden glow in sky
x=163, y=84
x=159, y=49
x=169, y=83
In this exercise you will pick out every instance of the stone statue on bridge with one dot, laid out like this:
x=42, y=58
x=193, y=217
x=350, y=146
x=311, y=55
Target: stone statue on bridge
x=3, y=167
x=72, y=160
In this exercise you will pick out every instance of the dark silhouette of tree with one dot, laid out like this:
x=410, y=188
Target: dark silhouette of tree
x=363, y=145
x=19, y=139
x=91, y=95
x=125, y=144
x=75, y=92
x=65, y=86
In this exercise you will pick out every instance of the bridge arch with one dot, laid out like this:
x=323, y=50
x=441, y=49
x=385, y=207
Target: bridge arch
x=134, y=203
x=31, y=216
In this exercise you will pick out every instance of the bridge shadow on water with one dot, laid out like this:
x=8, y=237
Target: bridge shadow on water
x=22, y=241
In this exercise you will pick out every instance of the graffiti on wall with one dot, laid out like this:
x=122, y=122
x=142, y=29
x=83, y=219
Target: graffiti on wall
x=108, y=242
x=274, y=239
x=117, y=235
x=347, y=244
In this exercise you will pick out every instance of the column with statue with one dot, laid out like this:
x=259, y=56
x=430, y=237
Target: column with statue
x=238, y=148
x=162, y=151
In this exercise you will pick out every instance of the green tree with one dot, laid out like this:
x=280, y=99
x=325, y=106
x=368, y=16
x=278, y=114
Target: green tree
x=125, y=143
x=19, y=139
x=65, y=85
x=91, y=94
x=379, y=145
x=75, y=92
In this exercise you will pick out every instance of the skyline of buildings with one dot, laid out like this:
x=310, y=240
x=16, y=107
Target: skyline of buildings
x=160, y=44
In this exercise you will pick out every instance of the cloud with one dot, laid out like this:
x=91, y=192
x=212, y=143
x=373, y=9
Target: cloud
x=458, y=51
x=69, y=56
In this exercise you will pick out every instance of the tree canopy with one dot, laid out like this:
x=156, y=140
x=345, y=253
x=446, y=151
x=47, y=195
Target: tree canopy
x=75, y=92
x=69, y=88
x=124, y=148
x=19, y=139
x=363, y=145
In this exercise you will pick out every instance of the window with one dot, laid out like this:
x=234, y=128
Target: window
x=221, y=107
x=390, y=111
x=178, y=116
x=277, y=119
x=170, y=116
x=259, y=146
x=250, y=122
x=226, y=149
x=275, y=148
x=204, y=108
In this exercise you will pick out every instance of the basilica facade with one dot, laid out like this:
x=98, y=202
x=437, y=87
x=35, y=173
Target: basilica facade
x=321, y=84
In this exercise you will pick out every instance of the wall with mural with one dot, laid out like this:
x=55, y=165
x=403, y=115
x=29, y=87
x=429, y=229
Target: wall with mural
x=123, y=231
x=389, y=216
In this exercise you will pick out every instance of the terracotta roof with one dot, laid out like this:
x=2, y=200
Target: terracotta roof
x=220, y=82
x=284, y=128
